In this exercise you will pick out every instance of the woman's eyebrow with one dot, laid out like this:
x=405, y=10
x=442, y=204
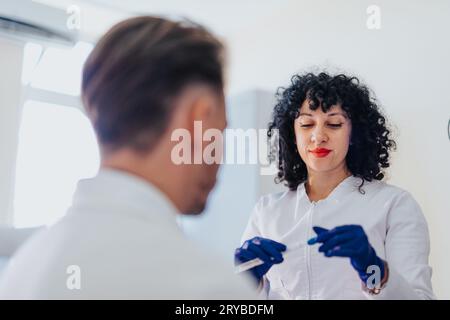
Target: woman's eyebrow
x=337, y=114
x=329, y=115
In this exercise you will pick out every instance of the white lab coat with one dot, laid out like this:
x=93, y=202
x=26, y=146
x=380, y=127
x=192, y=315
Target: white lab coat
x=122, y=234
x=394, y=224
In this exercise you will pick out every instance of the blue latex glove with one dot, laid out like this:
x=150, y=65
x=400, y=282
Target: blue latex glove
x=349, y=241
x=267, y=250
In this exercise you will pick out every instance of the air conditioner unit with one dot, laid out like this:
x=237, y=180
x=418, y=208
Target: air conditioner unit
x=26, y=19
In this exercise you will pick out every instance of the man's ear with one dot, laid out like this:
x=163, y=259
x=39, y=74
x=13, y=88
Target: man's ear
x=201, y=111
x=201, y=108
x=196, y=104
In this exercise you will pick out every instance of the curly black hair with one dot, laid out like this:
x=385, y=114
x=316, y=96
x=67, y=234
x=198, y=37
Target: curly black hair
x=370, y=139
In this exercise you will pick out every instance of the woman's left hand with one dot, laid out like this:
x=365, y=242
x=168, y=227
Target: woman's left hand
x=349, y=241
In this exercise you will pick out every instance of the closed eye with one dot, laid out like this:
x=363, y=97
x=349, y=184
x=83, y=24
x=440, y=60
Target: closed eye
x=332, y=125
x=337, y=125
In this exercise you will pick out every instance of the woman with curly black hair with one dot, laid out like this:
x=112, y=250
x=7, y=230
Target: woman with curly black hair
x=334, y=145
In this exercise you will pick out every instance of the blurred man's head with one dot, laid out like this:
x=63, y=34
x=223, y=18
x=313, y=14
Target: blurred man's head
x=146, y=78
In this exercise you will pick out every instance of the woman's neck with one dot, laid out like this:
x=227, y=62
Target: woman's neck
x=320, y=184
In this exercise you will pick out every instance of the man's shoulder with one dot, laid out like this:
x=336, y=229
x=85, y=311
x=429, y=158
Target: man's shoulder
x=139, y=262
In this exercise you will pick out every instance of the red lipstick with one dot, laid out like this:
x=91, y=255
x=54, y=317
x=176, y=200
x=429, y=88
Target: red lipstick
x=320, y=152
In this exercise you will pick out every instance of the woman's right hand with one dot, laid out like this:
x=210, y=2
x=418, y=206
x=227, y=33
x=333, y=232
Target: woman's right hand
x=267, y=250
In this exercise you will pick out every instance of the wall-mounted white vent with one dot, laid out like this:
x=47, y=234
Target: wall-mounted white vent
x=27, y=20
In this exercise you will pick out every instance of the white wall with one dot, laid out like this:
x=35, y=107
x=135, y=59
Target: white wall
x=406, y=63
x=10, y=102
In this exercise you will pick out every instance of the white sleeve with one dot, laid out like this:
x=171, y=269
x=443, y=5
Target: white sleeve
x=407, y=249
x=253, y=228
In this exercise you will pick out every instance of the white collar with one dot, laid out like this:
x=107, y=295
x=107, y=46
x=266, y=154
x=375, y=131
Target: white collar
x=113, y=188
x=345, y=187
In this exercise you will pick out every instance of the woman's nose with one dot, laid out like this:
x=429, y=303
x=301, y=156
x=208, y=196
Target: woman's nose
x=318, y=136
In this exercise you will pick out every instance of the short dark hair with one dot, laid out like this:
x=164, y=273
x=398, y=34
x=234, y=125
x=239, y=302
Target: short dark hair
x=137, y=69
x=371, y=142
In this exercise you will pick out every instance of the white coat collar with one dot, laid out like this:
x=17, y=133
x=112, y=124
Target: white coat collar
x=345, y=187
x=112, y=189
